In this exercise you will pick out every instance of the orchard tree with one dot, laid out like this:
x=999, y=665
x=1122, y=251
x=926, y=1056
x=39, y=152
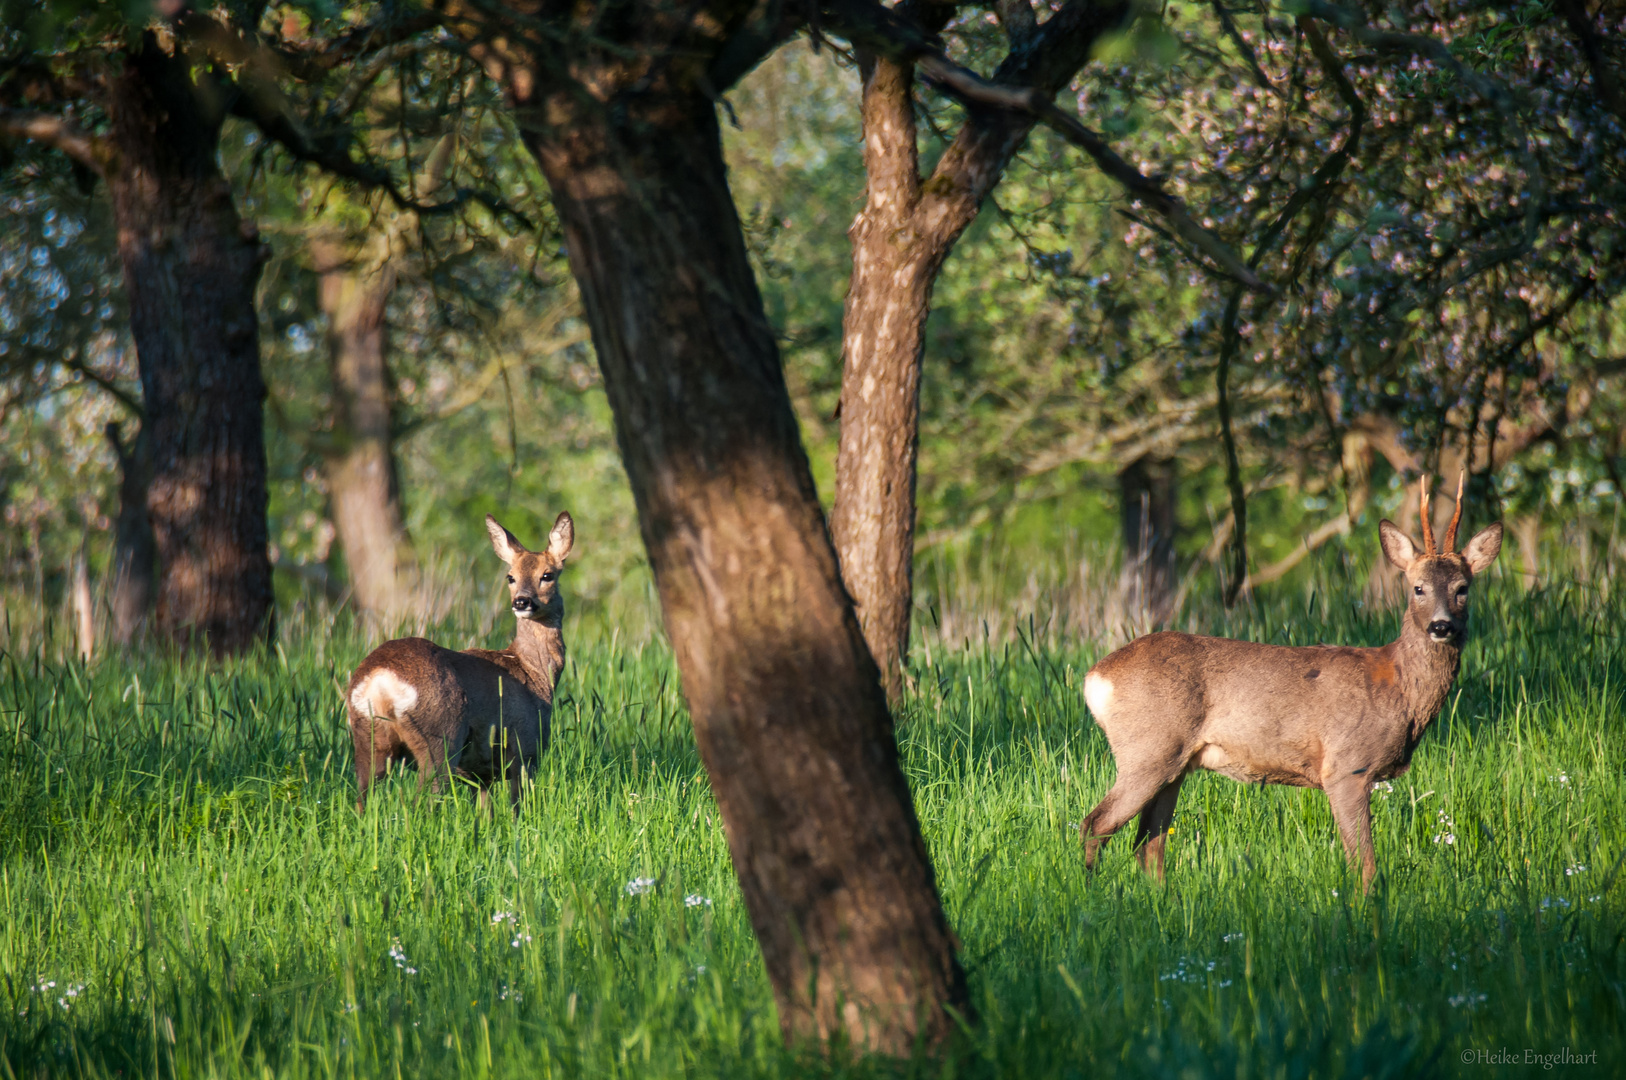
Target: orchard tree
x=1384, y=261
x=139, y=99
x=130, y=106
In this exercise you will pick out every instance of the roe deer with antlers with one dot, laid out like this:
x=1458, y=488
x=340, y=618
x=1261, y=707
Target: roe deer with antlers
x=1325, y=716
x=482, y=714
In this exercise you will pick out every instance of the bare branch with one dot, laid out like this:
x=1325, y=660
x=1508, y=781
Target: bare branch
x=1338, y=526
x=89, y=150
x=1242, y=46
x=108, y=386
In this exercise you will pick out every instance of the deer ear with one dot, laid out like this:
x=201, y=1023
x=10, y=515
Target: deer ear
x=1483, y=548
x=562, y=537
x=503, y=542
x=1397, y=546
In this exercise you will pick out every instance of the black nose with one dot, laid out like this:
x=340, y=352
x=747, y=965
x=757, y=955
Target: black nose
x=1440, y=628
x=522, y=603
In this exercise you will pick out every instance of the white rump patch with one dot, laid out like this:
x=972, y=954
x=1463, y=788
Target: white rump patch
x=384, y=695
x=1097, y=694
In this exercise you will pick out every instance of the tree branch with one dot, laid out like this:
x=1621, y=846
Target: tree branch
x=58, y=133
x=868, y=25
x=1242, y=46
x=102, y=382
x=1591, y=43
x=261, y=101
x=1488, y=89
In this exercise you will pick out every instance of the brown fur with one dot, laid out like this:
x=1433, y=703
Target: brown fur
x=1330, y=717
x=480, y=714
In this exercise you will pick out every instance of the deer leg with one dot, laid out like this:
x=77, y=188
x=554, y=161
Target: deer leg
x=1153, y=830
x=517, y=766
x=1132, y=794
x=375, y=747
x=1351, y=804
x=430, y=754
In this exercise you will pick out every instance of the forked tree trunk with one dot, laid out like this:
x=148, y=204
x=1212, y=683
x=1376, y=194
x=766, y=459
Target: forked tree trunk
x=900, y=241
x=131, y=589
x=360, y=465
x=1146, y=512
x=788, y=709
x=190, y=270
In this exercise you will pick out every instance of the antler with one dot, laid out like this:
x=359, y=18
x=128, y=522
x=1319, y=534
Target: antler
x=1428, y=525
x=1456, y=518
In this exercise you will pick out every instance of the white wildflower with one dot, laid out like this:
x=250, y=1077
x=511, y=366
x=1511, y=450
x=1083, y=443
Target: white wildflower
x=1446, y=835
x=1555, y=902
x=400, y=957
x=696, y=900
x=1469, y=999
x=1578, y=868
x=638, y=886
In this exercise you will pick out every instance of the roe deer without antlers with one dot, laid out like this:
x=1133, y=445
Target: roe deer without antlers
x=1330, y=717
x=482, y=714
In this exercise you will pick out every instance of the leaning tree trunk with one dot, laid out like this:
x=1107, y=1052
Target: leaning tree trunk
x=1146, y=512
x=788, y=709
x=130, y=596
x=360, y=465
x=190, y=270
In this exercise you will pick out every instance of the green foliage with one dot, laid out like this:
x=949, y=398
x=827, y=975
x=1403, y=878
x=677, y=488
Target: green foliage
x=182, y=862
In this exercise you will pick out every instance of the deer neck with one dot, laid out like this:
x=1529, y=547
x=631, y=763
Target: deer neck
x=1426, y=669
x=539, y=645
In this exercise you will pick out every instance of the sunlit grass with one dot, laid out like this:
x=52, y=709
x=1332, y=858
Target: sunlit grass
x=181, y=854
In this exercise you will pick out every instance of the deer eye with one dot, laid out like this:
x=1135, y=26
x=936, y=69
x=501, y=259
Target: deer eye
x=510, y=579
x=1462, y=590
x=549, y=576
x=1418, y=589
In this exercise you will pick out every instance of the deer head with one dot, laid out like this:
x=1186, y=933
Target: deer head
x=533, y=576
x=1439, y=578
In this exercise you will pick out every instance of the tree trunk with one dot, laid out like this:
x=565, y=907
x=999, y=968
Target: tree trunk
x=1526, y=529
x=190, y=270
x=130, y=595
x=84, y=612
x=883, y=341
x=788, y=708
x=1146, y=506
x=360, y=466
x=900, y=241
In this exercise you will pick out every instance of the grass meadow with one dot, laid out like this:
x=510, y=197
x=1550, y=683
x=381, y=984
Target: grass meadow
x=188, y=892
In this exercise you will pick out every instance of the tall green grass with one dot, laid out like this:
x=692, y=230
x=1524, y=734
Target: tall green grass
x=187, y=890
